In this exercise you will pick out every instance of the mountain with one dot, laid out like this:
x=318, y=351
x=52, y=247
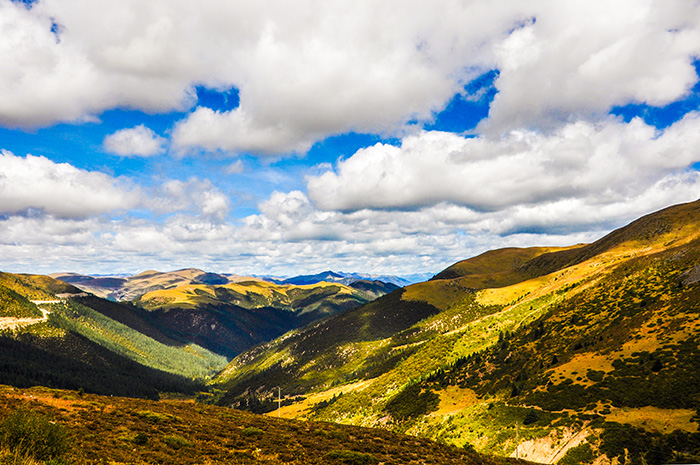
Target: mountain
x=53, y=334
x=338, y=277
x=230, y=318
x=127, y=288
x=552, y=354
x=43, y=425
x=224, y=314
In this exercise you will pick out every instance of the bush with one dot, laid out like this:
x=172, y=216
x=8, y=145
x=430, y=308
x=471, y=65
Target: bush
x=140, y=439
x=531, y=417
x=350, y=457
x=583, y=453
x=27, y=432
x=252, y=432
x=176, y=442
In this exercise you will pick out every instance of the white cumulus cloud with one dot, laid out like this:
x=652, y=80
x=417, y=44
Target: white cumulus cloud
x=315, y=68
x=138, y=141
x=578, y=59
x=605, y=162
x=36, y=184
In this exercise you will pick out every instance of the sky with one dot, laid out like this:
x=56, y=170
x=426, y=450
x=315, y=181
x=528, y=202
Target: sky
x=290, y=137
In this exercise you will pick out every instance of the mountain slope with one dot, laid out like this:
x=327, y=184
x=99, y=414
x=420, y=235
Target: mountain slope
x=232, y=317
x=576, y=346
x=135, y=431
x=127, y=288
x=54, y=334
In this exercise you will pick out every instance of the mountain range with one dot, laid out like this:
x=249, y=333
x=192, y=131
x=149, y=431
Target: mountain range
x=554, y=354
x=59, y=335
x=128, y=288
x=581, y=354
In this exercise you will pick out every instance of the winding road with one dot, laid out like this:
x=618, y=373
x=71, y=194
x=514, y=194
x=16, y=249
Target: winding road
x=13, y=323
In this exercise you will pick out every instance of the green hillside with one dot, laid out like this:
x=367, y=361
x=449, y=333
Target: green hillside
x=57, y=335
x=552, y=354
x=64, y=338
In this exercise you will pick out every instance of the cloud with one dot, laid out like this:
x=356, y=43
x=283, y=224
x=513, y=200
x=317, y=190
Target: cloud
x=578, y=59
x=236, y=167
x=37, y=185
x=235, y=131
x=193, y=196
x=607, y=162
x=82, y=71
x=303, y=71
x=138, y=141
x=318, y=68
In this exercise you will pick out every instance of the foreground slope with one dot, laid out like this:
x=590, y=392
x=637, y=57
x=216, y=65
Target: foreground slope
x=553, y=354
x=120, y=430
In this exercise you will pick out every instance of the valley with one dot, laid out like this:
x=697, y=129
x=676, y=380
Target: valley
x=580, y=354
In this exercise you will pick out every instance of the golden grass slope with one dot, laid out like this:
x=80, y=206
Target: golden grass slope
x=246, y=294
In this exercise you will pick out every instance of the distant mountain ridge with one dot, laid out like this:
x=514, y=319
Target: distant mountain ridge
x=128, y=288
x=345, y=278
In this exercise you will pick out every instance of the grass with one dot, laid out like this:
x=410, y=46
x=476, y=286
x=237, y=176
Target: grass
x=254, y=294
x=187, y=360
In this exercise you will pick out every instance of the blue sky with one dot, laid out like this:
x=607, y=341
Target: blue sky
x=270, y=138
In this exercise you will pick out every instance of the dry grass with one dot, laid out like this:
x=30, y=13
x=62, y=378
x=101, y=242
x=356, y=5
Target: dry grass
x=117, y=430
x=301, y=409
x=454, y=399
x=655, y=419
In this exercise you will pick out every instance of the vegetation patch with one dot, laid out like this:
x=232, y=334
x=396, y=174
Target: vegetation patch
x=28, y=433
x=583, y=453
x=350, y=458
x=176, y=442
x=156, y=417
x=412, y=402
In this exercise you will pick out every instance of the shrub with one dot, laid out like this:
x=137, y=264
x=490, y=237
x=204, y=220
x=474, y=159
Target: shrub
x=350, y=457
x=26, y=432
x=176, y=442
x=583, y=453
x=252, y=432
x=140, y=439
x=531, y=417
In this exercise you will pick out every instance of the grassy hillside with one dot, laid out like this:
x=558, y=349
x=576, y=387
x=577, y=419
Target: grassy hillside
x=230, y=318
x=36, y=287
x=553, y=354
x=129, y=288
x=69, y=427
x=64, y=338
x=188, y=360
x=322, y=298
